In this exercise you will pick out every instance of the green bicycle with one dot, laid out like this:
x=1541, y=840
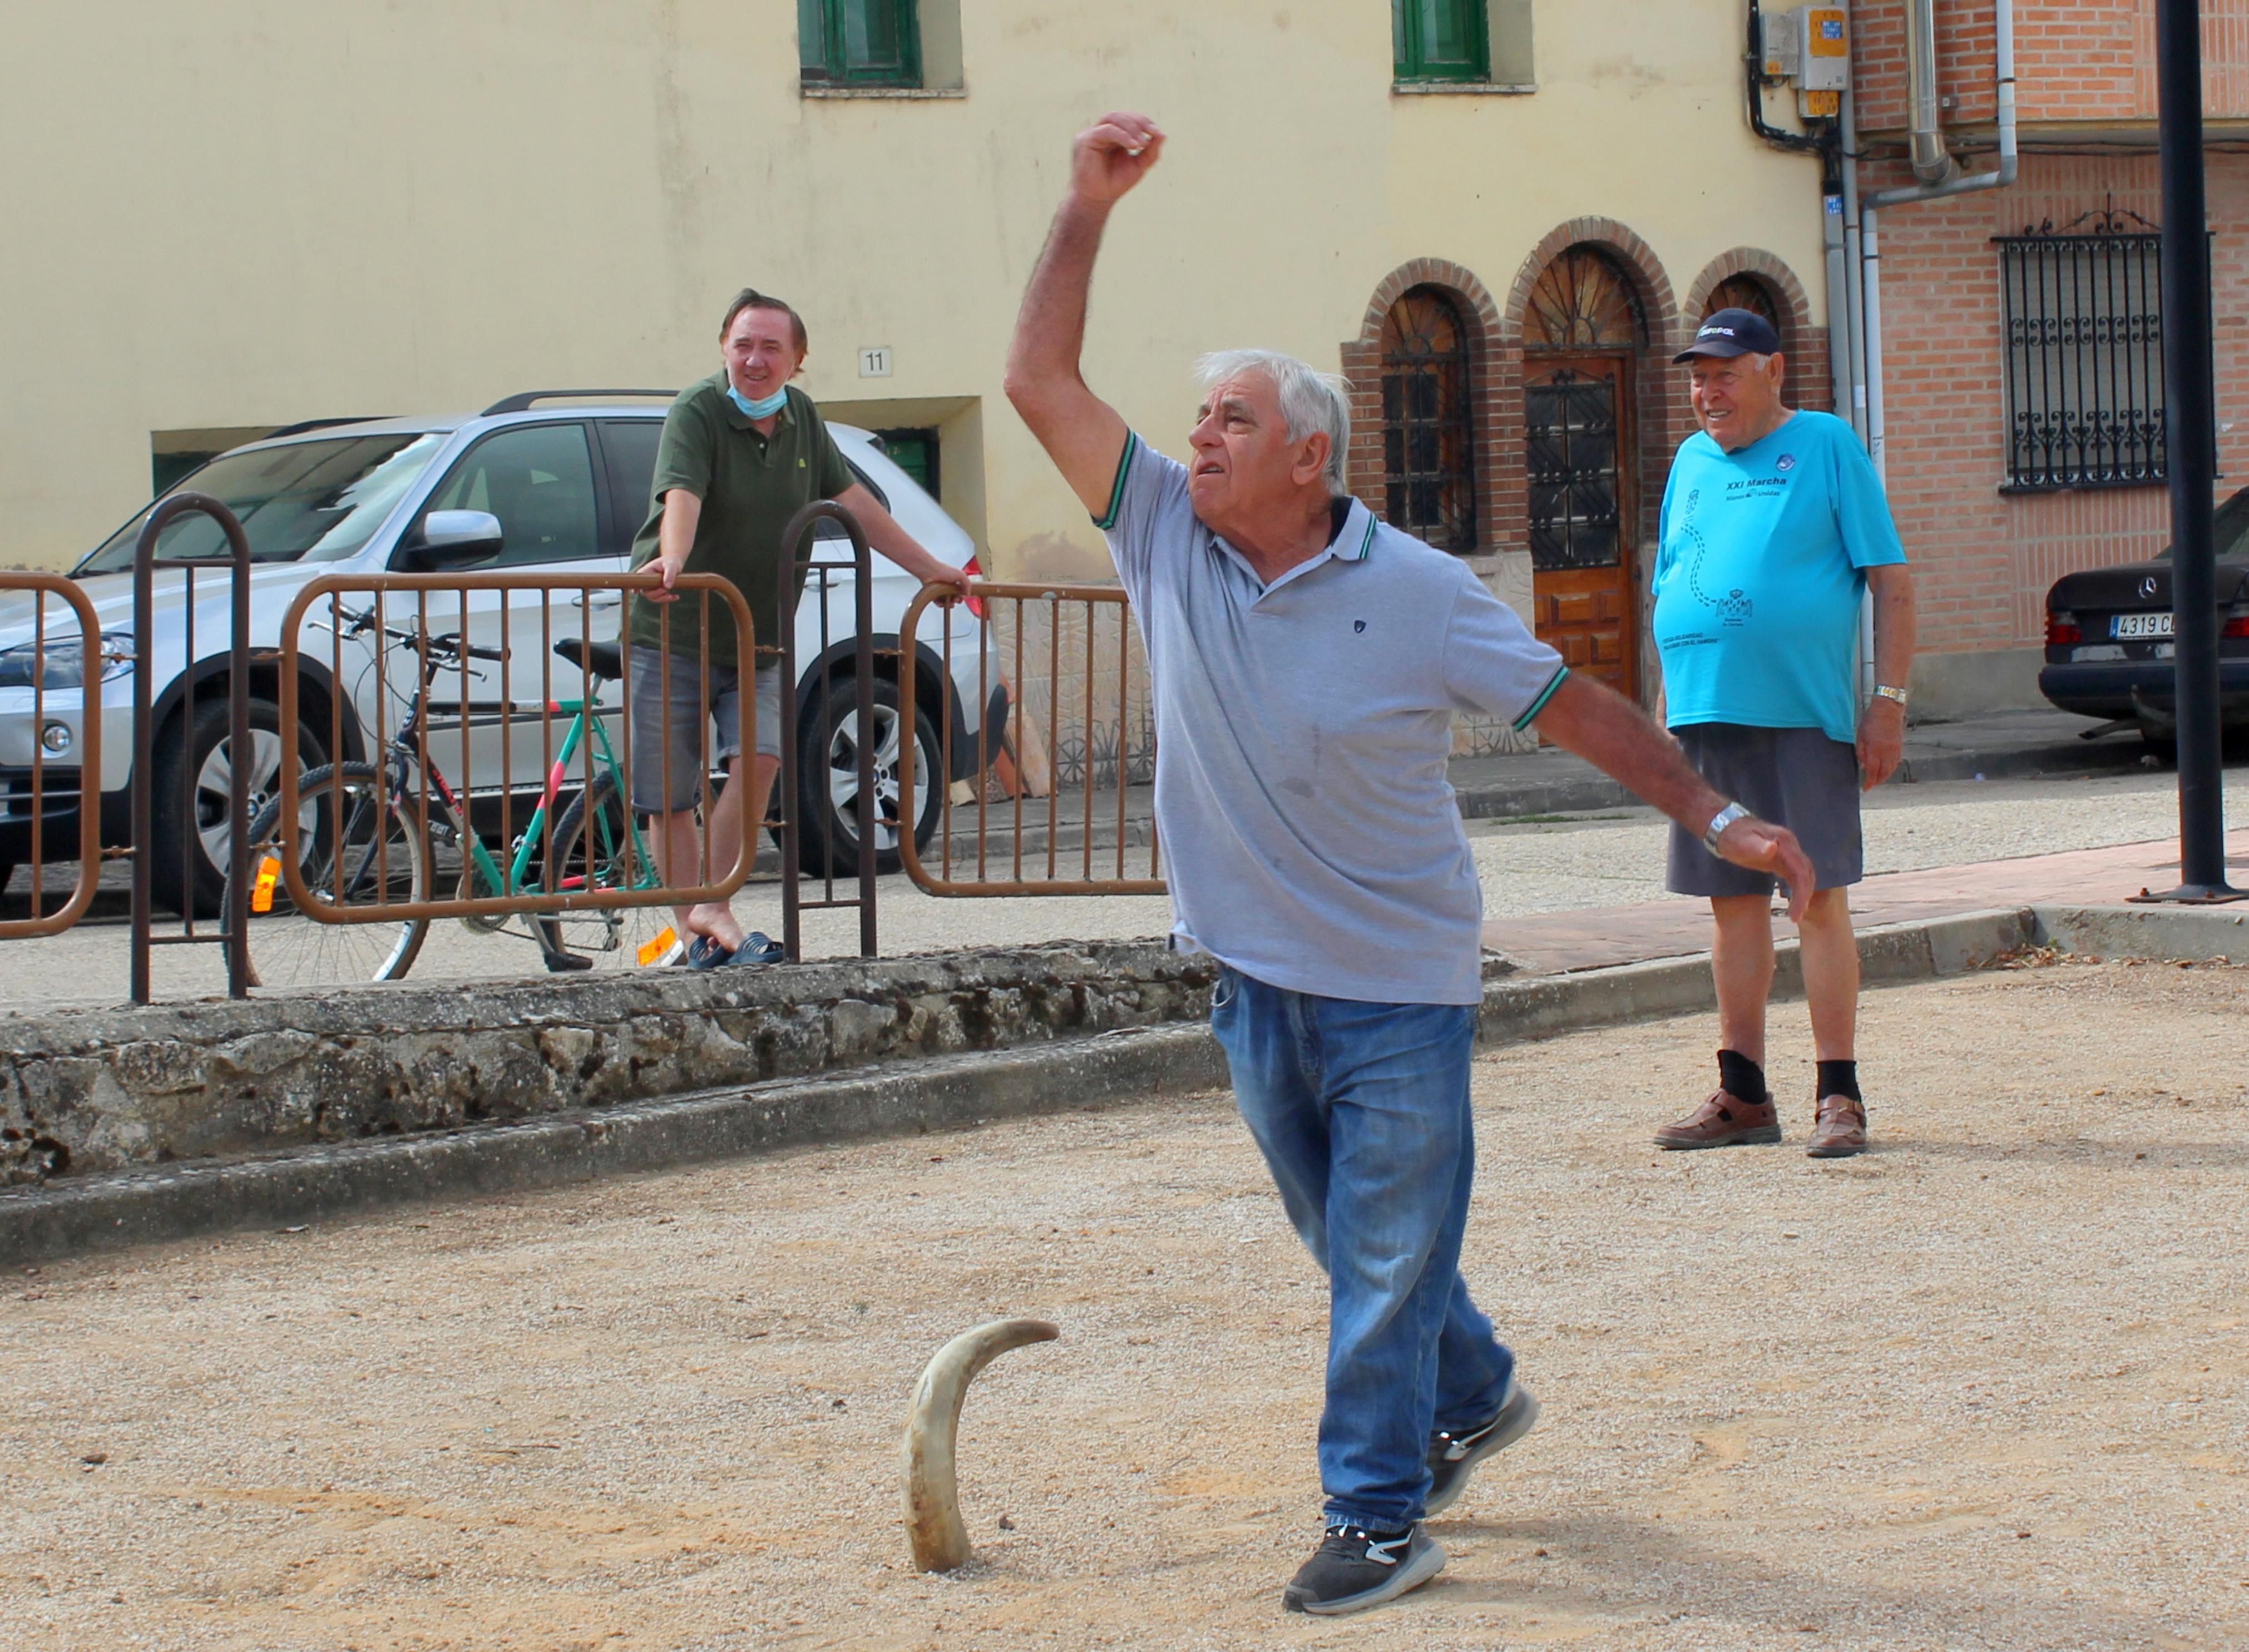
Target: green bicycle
x=361, y=842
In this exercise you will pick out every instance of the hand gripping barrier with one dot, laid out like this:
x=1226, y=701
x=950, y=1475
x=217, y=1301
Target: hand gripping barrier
x=447, y=630
x=1096, y=781
x=32, y=788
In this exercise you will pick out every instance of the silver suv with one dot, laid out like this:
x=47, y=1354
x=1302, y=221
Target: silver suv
x=568, y=486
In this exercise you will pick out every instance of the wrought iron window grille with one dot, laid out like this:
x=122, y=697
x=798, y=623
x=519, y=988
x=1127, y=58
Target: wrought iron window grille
x=1570, y=430
x=2082, y=325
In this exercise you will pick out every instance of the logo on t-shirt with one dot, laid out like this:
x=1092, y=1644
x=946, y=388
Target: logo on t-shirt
x=1733, y=607
x=1358, y=625
x=1785, y=462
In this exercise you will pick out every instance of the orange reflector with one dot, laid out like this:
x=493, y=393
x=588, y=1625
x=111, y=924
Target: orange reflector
x=261, y=893
x=658, y=949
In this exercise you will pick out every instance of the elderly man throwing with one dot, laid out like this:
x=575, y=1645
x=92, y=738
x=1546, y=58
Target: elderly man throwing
x=1774, y=524
x=1307, y=660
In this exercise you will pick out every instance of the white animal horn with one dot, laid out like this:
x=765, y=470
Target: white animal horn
x=940, y=1542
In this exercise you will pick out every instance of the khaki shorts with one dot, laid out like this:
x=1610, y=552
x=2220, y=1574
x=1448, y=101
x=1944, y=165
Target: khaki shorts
x=670, y=729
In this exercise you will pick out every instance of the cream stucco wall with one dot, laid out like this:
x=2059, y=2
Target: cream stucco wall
x=254, y=211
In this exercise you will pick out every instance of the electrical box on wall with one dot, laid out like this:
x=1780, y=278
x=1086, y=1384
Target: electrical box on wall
x=1781, y=49
x=1812, y=46
x=1824, y=61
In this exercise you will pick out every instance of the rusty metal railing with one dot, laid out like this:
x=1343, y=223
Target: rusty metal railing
x=234, y=915
x=1090, y=823
x=802, y=562
x=549, y=869
x=81, y=745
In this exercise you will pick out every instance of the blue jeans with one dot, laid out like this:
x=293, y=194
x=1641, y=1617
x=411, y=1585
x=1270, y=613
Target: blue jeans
x=1362, y=1112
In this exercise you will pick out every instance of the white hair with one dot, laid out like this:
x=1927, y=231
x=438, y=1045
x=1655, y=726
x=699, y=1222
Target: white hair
x=1310, y=400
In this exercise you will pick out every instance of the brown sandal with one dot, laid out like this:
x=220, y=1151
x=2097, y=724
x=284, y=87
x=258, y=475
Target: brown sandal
x=1838, y=1129
x=1723, y=1121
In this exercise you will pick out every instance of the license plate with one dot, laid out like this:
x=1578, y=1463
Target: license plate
x=2124, y=625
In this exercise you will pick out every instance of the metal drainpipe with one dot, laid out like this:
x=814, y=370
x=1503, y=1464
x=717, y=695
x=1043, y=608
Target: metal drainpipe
x=1932, y=161
x=1870, y=283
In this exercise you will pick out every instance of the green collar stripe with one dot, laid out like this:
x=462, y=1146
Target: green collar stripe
x=1367, y=543
x=1107, y=519
x=1561, y=674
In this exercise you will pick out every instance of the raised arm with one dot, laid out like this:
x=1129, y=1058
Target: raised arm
x=1082, y=433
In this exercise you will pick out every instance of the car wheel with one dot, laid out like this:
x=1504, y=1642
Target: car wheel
x=191, y=776
x=828, y=780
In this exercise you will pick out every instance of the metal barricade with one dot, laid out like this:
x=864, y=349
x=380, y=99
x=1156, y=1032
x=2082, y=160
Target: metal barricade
x=1095, y=784
x=419, y=803
x=82, y=745
x=234, y=916
x=800, y=565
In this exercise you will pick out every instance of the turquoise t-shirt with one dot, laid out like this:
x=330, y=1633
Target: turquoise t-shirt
x=1760, y=574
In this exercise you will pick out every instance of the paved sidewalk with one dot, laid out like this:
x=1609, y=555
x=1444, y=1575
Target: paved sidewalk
x=2004, y=746
x=1551, y=942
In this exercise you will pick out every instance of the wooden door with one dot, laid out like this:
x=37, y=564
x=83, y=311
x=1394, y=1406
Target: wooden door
x=1577, y=422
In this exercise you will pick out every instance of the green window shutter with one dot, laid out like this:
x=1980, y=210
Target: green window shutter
x=812, y=39
x=861, y=41
x=1441, y=39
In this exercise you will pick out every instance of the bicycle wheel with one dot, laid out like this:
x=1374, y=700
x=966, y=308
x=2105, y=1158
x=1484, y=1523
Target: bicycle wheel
x=594, y=847
x=356, y=847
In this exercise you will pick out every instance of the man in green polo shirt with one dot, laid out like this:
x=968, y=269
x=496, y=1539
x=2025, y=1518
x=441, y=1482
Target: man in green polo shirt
x=741, y=453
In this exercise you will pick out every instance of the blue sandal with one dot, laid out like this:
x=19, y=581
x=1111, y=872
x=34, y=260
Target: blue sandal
x=703, y=953
x=758, y=948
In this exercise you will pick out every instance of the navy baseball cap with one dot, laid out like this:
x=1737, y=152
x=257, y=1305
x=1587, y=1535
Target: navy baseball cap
x=1731, y=333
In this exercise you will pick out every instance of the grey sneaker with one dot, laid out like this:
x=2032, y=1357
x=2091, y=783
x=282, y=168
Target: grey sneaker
x=1452, y=1457
x=1354, y=1568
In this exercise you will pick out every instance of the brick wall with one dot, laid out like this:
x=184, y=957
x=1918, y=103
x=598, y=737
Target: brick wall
x=1985, y=560
x=2079, y=60
x=1495, y=373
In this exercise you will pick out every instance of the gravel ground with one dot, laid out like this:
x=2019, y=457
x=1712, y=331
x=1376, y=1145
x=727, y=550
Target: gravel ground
x=1980, y=1388
x=1552, y=865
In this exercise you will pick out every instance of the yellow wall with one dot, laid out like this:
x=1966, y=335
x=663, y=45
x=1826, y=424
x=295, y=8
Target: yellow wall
x=255, y=211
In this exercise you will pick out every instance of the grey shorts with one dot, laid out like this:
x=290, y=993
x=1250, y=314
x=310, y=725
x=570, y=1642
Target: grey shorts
x=677, y=727
x=1793, y=777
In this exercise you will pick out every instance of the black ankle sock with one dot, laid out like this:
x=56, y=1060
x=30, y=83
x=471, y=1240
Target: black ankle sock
x=1839, y=1078
x=1741, y=1077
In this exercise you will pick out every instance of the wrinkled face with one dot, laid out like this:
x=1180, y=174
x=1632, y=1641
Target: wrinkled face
x=1737, y=397
x=761, y=353
x=1245, y=463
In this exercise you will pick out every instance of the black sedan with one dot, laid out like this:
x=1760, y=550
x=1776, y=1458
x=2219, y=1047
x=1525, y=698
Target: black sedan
x=2108, y=643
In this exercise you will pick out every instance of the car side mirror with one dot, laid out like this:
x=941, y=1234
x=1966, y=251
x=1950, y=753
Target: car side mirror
x=451, y=540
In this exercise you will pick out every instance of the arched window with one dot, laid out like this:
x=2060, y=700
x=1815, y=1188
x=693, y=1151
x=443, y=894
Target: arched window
x=1744, y=293
x=1582, y=301
x=1428, y=430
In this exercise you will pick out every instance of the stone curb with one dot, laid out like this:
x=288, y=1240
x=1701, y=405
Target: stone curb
x=954, y=1092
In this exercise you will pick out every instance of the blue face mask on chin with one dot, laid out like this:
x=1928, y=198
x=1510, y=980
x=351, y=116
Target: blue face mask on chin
x=764, y=410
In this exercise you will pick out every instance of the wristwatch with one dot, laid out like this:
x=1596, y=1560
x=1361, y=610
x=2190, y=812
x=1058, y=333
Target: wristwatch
x=1883, y=690
x=1719, y=822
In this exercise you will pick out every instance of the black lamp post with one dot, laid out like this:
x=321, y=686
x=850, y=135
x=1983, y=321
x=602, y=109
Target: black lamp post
x=2191, y=429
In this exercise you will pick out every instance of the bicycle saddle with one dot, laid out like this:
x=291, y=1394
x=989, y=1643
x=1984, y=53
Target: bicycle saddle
x=600, y=659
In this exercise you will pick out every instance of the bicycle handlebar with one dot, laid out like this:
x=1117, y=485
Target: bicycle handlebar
x=444, y=643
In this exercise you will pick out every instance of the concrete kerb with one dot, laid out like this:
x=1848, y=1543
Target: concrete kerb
x=957, y=1091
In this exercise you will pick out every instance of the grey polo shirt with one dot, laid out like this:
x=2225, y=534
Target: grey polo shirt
x=1310, y=832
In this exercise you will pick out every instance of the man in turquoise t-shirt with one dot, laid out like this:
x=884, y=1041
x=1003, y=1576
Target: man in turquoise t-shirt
x=1774, y=526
